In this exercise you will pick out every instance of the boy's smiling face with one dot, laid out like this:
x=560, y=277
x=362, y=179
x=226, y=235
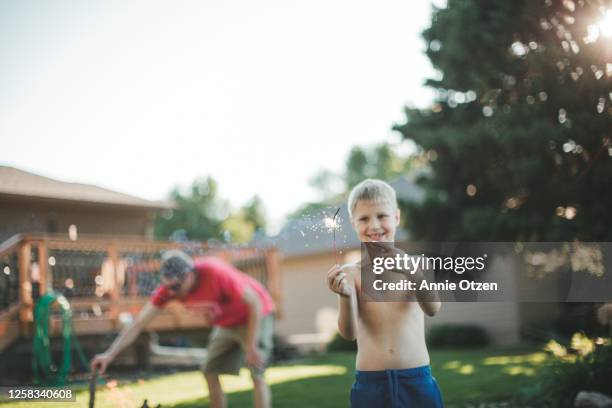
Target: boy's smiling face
x=375, y=221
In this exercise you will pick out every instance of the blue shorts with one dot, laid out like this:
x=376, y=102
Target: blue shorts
x=412, y=387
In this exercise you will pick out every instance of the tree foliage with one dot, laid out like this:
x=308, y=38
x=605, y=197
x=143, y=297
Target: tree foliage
x=197, y=215
x=519, y=138
x=242, y=224
x=200, y=215
x=377, y=161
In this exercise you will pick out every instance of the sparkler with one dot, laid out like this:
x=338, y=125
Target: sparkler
x=331, y=223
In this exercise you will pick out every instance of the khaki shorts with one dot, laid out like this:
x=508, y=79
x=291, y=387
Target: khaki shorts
x=225, y=348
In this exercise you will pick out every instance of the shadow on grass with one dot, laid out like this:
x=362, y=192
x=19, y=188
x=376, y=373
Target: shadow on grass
x=465, y=377
x=488, y=375
x=322, y=392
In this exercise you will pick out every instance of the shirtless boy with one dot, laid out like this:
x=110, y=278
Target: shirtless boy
x=392, y=359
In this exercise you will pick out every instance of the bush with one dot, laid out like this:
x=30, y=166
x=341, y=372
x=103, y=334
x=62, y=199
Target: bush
x=339, y=343
x=586, y=365
x=457, y=335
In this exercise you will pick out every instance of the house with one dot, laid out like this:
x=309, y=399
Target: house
x=33, y=203
x=95, y=246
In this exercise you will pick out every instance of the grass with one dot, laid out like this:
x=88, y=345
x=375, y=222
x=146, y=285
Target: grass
x=464, y=376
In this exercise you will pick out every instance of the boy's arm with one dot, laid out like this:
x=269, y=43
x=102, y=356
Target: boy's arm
x=343, y=285
x=429, y=301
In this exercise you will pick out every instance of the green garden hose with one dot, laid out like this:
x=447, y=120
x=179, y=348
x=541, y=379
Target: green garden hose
x=45, y=371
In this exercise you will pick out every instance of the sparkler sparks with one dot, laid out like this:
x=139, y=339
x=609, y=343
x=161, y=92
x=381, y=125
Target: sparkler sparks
x=332, y=225
x=317, y=224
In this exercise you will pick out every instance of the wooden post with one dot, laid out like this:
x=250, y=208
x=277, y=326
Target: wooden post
x=131, y=281
x=273, y=278
x=25, y=287
x=43, y=264
x=115, y=291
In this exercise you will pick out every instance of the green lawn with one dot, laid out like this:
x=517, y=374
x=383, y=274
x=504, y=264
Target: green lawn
x=465, y=376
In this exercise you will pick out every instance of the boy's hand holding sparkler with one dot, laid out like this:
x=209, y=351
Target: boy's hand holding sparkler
x=338, y=282
x=336, y=278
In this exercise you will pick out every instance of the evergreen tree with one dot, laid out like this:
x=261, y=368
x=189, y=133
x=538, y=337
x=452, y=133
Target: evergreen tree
x=519, y=138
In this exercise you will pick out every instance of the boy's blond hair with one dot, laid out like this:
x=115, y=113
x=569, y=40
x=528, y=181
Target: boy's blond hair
x=371, y=190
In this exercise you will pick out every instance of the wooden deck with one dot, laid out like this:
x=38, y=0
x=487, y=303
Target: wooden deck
x=106, y=281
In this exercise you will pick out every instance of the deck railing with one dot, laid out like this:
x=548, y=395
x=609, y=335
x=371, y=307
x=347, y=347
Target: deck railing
x=103, y=277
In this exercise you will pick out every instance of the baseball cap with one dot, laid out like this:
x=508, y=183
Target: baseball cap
x=175, y=264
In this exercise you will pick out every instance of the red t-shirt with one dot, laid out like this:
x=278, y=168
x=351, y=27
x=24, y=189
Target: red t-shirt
x=220, y=286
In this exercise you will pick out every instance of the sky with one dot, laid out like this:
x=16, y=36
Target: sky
x=140, y=96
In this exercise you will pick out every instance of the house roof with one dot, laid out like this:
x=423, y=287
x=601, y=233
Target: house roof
x=308, y=235
x=16, y=182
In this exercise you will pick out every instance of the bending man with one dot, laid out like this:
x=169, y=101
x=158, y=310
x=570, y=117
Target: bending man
x=237, y=305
